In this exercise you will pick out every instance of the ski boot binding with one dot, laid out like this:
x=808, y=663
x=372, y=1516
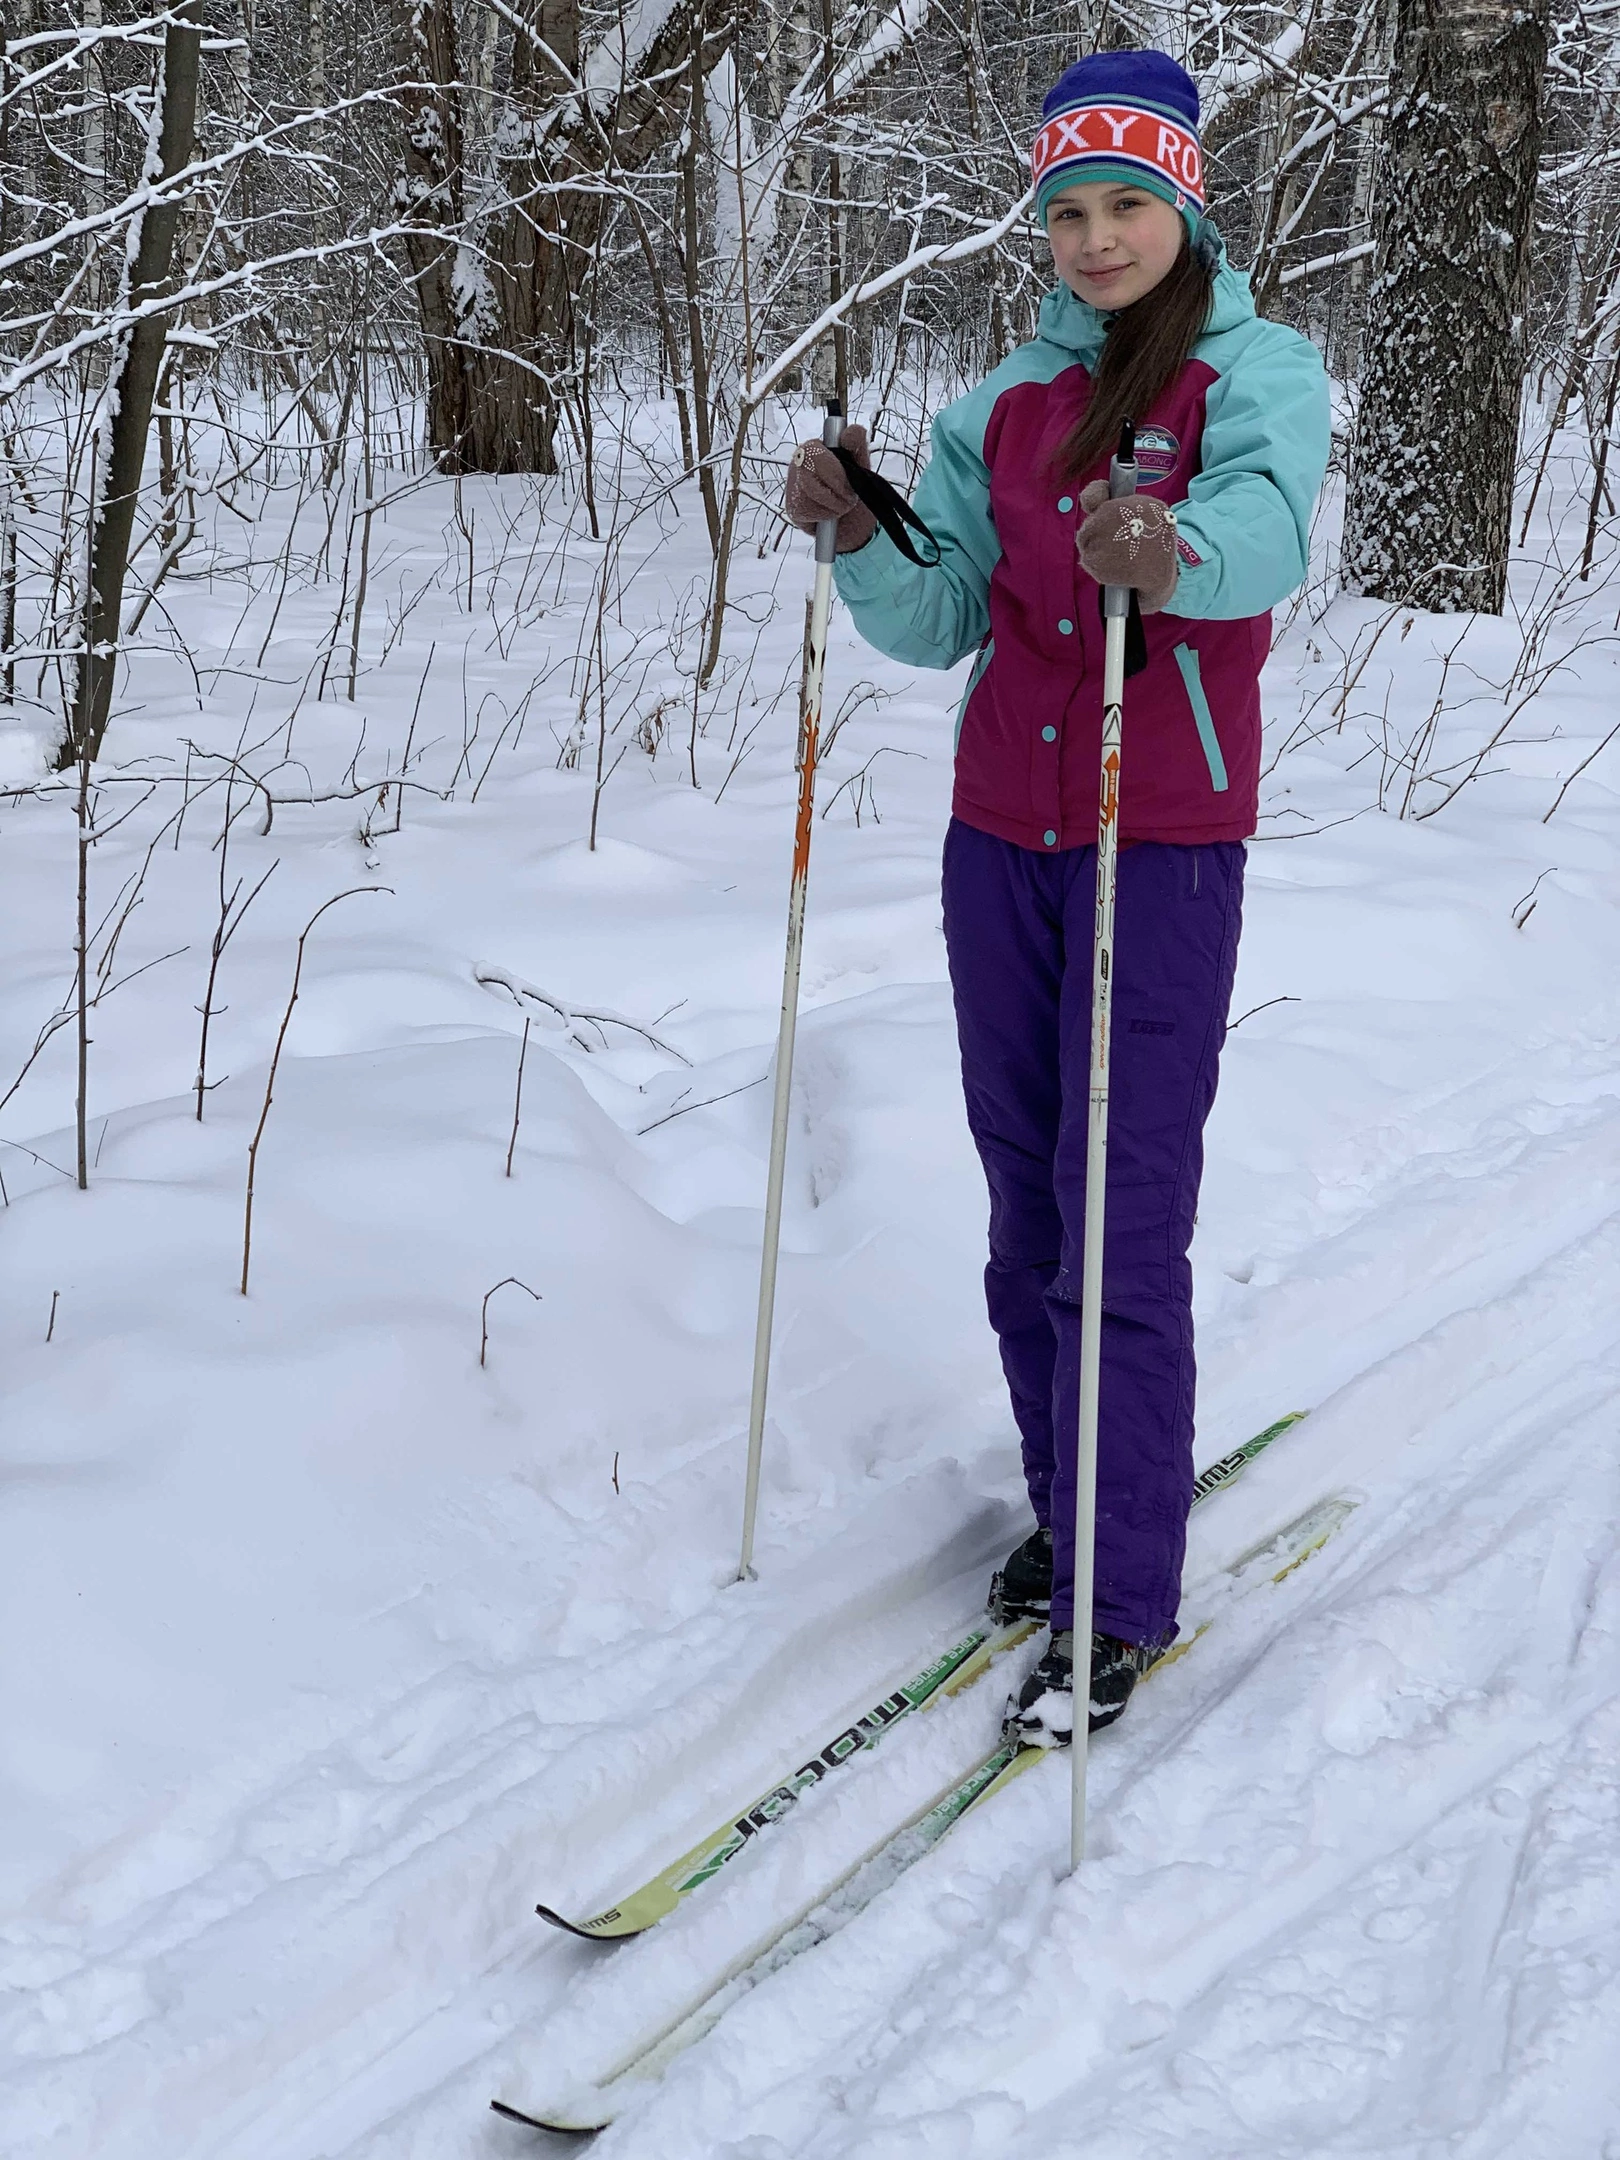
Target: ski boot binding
x=1022, y=1590
x=1043, y=1714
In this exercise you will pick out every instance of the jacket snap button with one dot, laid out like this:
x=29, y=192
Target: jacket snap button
x=1048, y=734
x=1050, y=838
x=1065, y=625
x=1065, y=502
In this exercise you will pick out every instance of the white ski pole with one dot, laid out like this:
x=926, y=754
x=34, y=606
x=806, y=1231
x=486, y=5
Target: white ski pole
x=1116, y=617
x=815, y=655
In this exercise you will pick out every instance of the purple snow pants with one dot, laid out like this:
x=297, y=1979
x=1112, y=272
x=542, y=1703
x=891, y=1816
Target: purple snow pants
x=1018, y=931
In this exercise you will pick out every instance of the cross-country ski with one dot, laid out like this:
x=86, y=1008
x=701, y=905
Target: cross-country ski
x=964, y=1662
x=1268, y=1563
x=958, y=1666
x=786, y=797
x=890, y=1856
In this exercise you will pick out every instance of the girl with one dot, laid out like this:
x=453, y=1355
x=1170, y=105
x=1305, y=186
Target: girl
x=1148, y=322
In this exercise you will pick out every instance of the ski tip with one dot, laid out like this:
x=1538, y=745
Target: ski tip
x=608, y=1927
x=569, y=1927
x=536, y=2122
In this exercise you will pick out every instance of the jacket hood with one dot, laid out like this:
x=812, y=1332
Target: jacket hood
x=1069, y=321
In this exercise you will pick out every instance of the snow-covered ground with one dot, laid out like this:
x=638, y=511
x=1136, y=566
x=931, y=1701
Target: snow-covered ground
x=330, y=1649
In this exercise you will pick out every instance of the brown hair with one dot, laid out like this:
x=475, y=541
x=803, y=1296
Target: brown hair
x=1147, y=346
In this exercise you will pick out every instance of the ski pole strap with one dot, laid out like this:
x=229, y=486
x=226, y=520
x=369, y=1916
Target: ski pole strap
x=1135, y=637
x=890, y=508
x=1136, y=655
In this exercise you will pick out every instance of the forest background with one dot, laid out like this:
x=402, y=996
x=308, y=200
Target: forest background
x=316, y=246
x=393, y=410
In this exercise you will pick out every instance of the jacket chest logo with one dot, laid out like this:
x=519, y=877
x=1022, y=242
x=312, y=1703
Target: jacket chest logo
x=1157, y=452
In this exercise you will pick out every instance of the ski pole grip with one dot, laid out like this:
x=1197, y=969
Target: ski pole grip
x=1122, y=468
x=832, y=434
x=1121, y=481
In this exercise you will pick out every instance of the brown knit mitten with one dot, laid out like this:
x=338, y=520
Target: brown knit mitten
x=818, y=487
x=1130, y=540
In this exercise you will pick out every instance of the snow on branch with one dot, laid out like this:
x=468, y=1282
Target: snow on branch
x=936, y=256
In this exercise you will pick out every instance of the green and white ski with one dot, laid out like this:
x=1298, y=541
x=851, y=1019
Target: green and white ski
x=897, y=1850
x=956, y=1668
x=593, y=2107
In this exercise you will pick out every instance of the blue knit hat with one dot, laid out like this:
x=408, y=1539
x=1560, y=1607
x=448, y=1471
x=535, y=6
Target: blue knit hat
x=1130, y=117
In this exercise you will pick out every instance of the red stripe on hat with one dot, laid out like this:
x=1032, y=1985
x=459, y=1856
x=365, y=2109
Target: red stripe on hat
x=1123, y=134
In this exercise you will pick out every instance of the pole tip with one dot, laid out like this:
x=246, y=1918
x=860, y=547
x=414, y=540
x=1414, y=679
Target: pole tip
x=835, y=410
x=1127, y=441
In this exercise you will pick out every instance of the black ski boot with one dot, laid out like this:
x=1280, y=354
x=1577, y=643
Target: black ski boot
x=1043, y=1715
x=1022, y=1590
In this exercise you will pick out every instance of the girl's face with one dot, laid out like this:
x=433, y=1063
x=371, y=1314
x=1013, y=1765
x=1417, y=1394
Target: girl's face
x=1113, y=243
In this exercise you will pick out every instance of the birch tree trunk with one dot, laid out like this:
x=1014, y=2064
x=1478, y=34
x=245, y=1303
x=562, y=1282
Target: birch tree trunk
x=132, y=388
x=793, y=51
x=94, y=143
x=1431, y=482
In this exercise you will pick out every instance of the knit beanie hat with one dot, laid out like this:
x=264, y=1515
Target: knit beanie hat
x=1130, y=117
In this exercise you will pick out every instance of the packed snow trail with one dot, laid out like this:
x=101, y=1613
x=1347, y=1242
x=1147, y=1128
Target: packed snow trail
x=1390, y=1714
x=1407, y=1701
x=1421, y=1693
x=553, y=2097
x=959, y=1664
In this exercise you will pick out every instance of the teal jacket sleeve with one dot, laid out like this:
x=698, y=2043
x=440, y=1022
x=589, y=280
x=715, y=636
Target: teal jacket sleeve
x=1247, y=517
x=932, y=618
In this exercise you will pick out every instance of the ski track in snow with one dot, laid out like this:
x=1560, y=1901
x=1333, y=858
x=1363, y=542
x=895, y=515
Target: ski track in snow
x=342, y=1651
